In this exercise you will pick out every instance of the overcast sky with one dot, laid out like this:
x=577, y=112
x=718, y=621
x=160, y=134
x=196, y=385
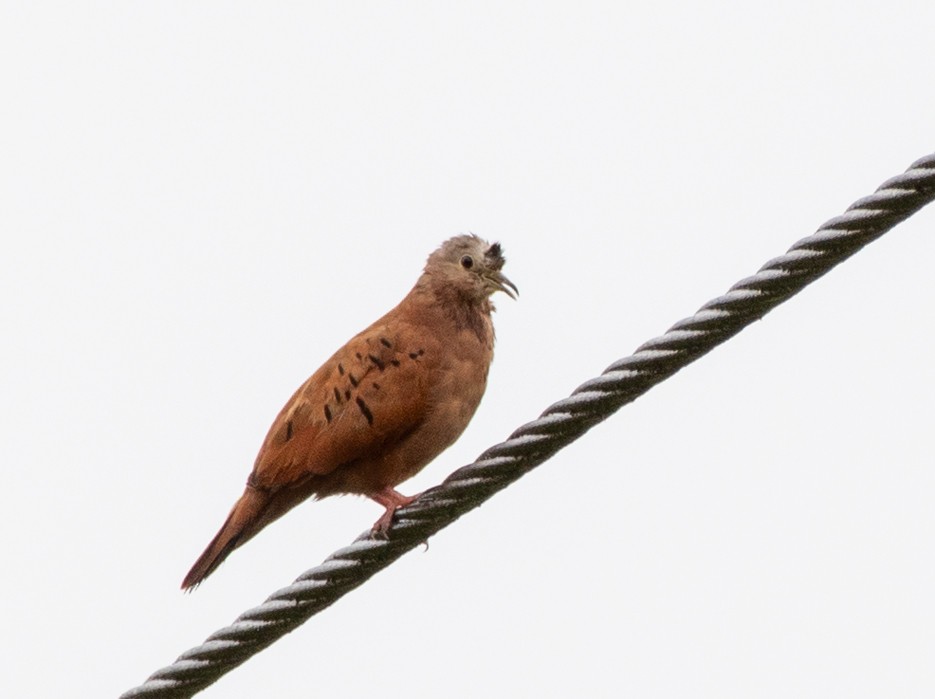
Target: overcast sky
x=200, y=202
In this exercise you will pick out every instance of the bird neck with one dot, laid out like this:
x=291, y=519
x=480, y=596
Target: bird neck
x=454, y=304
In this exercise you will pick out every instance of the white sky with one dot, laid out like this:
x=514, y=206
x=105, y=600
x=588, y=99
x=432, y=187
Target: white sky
x=200, y=202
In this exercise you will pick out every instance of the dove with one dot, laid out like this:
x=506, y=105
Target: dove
x=383, y=406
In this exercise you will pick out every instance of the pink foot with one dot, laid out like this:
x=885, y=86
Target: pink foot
x=391, y=500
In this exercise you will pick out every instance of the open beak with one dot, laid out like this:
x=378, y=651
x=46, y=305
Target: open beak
x=500, y=283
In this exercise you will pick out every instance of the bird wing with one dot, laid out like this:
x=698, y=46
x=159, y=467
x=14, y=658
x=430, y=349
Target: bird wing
x=369, y=395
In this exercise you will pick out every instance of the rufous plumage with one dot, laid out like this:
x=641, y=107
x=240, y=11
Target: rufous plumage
x=383, y=406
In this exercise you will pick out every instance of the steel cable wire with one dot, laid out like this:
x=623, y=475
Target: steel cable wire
x=533, y=443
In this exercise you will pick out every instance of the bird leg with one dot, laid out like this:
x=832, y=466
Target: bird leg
x=391, y=500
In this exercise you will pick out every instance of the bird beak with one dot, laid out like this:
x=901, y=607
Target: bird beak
x=499, y=282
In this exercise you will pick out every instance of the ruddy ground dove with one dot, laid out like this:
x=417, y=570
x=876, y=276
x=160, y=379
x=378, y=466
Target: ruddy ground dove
x=384, y=405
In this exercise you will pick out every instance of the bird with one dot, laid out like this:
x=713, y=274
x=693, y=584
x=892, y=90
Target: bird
x=383, y=406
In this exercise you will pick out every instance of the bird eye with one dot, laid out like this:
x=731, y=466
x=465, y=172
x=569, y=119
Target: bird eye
x=467, y=262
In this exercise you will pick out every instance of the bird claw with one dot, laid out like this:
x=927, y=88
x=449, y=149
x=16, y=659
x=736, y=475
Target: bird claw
x=392, y=501
x=381, y=528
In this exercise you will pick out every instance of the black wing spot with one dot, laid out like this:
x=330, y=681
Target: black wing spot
x=394, y=362
x=359, y=355
x=327, y=413
x=288, y=430
x=353, y=379
x=376, y=385
x=347, y=394
x=376, y=360
x=365, y=410
x=416, y=355
x=385, y=342
x=340, y=369
x=337, y=394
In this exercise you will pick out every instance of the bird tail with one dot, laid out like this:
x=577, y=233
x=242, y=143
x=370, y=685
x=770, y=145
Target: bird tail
x=245, y=520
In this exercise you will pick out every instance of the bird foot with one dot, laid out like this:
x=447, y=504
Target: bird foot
x=381, y=528
x=392, y=501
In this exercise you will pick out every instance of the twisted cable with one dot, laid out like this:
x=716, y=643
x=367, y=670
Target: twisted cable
x=533, y=443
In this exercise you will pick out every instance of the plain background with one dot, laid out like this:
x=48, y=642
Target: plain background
x=201, y=201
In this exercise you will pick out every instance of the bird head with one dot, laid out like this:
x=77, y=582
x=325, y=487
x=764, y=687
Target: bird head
x=473, y=265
